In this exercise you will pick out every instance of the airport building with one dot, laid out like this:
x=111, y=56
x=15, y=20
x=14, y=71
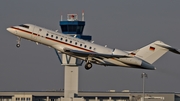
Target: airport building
x=88, y=96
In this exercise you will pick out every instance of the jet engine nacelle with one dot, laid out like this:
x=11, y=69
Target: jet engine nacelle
x=118, y=52
x=128, y=60
x=132, y=61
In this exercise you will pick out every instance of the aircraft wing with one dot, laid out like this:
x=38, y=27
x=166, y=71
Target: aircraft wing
x=93, y=54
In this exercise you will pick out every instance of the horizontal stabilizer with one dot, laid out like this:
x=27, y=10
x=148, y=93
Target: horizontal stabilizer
x=171, y=49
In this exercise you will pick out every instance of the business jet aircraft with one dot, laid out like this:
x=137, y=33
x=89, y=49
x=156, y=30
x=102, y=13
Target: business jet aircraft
x=92, y=53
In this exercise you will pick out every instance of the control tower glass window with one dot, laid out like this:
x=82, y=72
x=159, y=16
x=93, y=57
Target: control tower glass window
x=64, y=28
x=80, y=28
x=72, y=28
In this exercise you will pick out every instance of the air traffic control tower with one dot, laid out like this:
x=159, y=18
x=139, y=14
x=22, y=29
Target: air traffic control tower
x=73, y=27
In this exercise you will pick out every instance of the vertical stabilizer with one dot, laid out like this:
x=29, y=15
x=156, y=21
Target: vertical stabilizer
x=152, y=52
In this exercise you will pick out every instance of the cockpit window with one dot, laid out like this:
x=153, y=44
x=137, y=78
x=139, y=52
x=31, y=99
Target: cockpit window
x=25, y=26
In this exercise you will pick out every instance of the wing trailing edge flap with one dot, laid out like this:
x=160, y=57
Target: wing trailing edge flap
x=93, y=54
x=171, y=49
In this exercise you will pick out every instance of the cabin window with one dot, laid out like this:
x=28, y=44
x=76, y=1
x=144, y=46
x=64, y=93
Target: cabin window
x=90, y=47
x=84, y=46
x=51, y=35
x=17, y=99
x=28, y=99
x=40, y=29
x=70, y=41
x=94, y=48
x=80, y=44
x=47, y=34
x=56, y=37
x=66, y=40
x=22, y=99
x=75, y=43
x=61, y=38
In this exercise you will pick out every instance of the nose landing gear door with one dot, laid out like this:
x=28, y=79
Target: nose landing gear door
x=16, y=32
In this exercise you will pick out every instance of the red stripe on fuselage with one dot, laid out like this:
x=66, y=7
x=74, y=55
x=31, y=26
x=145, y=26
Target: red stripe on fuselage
x=51, y=39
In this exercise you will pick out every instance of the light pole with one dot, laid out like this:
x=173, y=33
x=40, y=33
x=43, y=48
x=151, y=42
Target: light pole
x=143, y=76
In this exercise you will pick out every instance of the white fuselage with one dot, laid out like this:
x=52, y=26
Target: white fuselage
x=61, y=41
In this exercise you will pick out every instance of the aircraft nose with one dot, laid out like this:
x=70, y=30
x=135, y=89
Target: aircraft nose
x=10, y=30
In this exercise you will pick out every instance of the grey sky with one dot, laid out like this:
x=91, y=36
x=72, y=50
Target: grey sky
x=122, y=24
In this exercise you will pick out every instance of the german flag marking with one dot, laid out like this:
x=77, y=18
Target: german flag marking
x=132, y=54
x=151, y=48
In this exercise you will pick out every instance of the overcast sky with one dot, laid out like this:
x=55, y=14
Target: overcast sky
x=122, y=24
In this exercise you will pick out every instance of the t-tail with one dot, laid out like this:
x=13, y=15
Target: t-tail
x=153, y=51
